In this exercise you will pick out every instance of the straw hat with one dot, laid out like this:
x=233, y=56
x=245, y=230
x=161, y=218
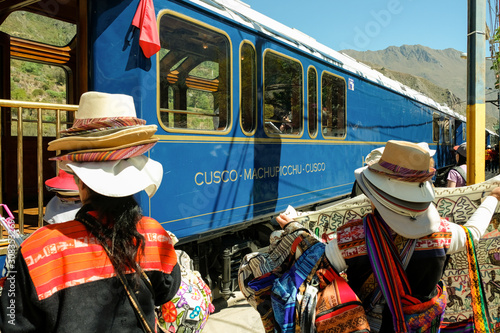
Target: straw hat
x=106, y=128
x=375, y=154
x=399, y=186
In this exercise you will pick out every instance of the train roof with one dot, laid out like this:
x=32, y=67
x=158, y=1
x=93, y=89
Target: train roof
x=245, y=15
x=242, y=13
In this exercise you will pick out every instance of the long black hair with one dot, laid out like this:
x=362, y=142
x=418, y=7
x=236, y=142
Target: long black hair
x=116, y=227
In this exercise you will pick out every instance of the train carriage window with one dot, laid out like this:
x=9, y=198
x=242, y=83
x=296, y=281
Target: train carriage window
x=248, y=88
x=43, y=29
x=446, y=130
x=435, y=127
x=283, y=101
x=333, y=120
x=312, y=102
x=195, y=72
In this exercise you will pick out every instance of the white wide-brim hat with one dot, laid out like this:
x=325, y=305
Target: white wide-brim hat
x=418, y=226
x=120, y=178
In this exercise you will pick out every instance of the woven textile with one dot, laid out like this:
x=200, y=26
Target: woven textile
x=464, y=326
x=257, y=264
x=284, y=291
x=338, y=309
x=302, y=286
x=481, y=314
x=258, y=270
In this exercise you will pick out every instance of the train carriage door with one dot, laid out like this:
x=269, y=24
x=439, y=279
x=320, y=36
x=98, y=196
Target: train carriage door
x=38, y=65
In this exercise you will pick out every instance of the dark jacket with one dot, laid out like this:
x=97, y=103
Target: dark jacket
x=64, y=282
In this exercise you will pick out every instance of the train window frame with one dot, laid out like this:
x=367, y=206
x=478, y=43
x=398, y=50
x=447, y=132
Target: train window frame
x=313, y=132
x=333, y=137
x=453, y=129
x=446, y=130
x=253, y=87
x=436, y=127
x=300, y=133
x=228, y=85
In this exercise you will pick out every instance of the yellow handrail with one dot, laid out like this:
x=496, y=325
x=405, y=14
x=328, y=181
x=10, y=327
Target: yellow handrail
x=39, y=107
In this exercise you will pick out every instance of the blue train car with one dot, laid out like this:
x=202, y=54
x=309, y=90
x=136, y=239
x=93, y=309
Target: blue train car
x=252, y=116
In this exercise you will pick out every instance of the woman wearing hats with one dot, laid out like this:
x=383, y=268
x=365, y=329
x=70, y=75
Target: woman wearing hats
x=396, y=254
x=106, y=270
x=457, y=176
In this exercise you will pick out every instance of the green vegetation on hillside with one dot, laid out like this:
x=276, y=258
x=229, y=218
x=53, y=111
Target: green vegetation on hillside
x=38, y=28
x=31, y=81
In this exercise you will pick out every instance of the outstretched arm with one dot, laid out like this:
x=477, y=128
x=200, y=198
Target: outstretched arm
x=283, y=220
x=477, y=224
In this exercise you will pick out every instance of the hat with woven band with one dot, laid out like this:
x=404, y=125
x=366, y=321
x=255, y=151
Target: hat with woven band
x=376, y=153
x=99, y=110
x=399, y=186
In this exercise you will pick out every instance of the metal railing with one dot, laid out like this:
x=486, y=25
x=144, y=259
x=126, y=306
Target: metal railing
x=40, y=108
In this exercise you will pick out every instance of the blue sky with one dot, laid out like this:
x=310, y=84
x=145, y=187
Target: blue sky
x=374, y=24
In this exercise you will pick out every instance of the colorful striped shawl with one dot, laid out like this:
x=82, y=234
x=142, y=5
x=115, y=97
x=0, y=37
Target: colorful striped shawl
x=408, y=313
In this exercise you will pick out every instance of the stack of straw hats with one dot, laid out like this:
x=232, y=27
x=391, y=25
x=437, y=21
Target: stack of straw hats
x=399, y=185
x=105, y=146
x=106, y=128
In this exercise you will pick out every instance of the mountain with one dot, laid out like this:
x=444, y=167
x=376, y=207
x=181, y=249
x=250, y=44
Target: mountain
x=439, y=74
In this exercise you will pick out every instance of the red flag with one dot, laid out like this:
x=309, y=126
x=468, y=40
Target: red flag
x=145, y=20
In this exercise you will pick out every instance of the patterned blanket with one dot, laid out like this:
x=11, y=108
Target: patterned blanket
x=457, y=205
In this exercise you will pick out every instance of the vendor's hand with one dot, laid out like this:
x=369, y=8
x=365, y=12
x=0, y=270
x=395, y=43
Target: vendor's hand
x=496, y=193
x=283, y=220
